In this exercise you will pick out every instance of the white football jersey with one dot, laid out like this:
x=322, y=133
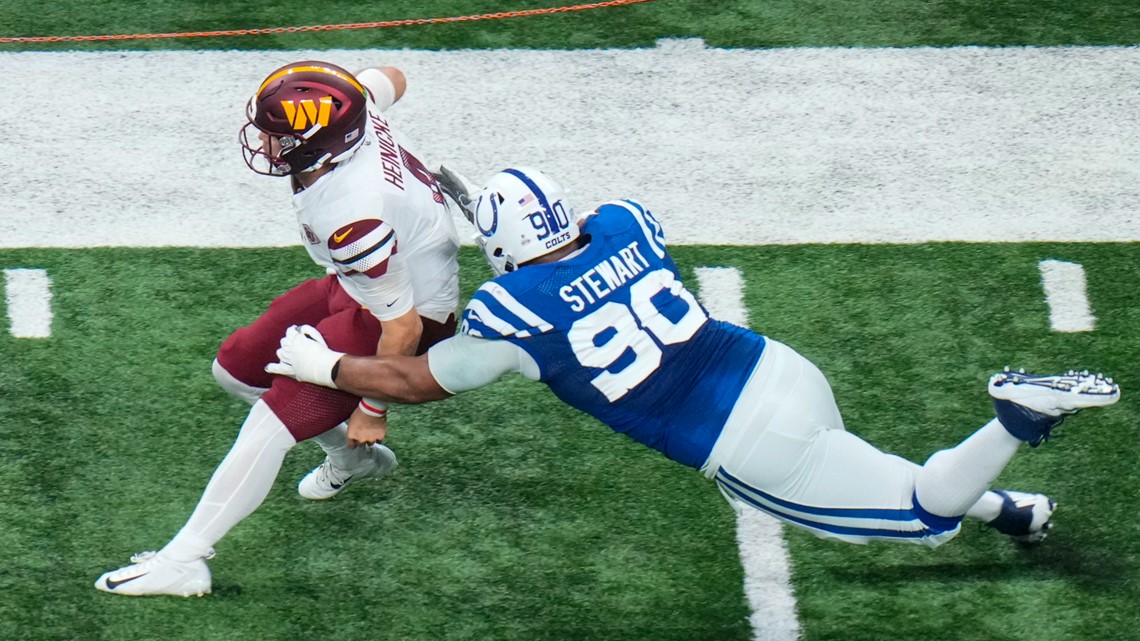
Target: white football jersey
x=379, y=221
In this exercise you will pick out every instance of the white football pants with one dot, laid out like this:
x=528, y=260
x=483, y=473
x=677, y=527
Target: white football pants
x=784, y=450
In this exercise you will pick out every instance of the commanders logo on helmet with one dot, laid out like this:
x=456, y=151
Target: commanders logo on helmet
x=304, y=116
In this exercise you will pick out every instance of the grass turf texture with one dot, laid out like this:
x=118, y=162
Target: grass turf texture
x=512, y=517
x=736, y=23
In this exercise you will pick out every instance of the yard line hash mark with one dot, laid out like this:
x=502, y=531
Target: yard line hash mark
x=763, y=552
x=1066, y=296
x=28, y=292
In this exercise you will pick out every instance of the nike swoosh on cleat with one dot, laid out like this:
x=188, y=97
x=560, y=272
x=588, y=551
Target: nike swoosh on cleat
x=112, y=584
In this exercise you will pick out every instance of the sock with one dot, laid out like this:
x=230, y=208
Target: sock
x=953, y=481
x=238, y=486
x=335, y=444
x=231, y=384
x=987, y=508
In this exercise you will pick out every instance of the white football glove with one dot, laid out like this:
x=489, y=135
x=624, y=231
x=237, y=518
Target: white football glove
x=303, y=355
x=458, y=189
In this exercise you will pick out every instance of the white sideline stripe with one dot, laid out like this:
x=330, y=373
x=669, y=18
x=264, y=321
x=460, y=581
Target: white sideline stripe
x=726, y=146
x=28, y=292
x=763, y=553
x=1066, y=296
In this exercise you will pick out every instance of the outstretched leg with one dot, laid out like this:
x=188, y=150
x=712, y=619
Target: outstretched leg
x=784, y=451
x=239, y=485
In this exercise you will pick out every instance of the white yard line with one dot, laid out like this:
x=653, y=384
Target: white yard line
x=1065, y=294
x=28, y=294
x=763, y=553
x=735, y=146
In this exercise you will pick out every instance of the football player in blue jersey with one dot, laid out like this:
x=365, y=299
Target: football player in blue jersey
x=594, y=307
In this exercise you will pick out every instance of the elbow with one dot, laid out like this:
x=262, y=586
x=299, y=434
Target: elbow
x=399, y=81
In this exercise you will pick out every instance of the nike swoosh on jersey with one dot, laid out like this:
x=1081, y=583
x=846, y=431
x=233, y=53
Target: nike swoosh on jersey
x=112, y=584
x=341, y=237
x=368, y=251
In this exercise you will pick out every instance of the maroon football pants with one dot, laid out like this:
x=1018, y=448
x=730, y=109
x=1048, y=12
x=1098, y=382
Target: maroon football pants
x=308, y=410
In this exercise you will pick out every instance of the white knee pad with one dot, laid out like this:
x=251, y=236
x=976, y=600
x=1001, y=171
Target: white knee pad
x=247, y=393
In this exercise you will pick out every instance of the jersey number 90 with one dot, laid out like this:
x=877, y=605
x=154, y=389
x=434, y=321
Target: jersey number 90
x=629, y=337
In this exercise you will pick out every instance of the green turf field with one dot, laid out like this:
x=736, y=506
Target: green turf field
x=510, y=516
x=514, y=518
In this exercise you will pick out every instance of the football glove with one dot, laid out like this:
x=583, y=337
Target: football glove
x=303, y=355
x=458, y=189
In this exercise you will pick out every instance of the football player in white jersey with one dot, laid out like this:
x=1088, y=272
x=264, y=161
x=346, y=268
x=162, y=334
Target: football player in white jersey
x=373, y=216
x=598, y=313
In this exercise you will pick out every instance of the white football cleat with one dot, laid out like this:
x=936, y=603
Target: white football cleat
x=1030, y=406
x=1024, y=517
x=327, y=480
x=150, y=574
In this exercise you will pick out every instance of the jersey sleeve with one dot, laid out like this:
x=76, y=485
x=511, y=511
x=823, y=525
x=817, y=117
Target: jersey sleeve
x=463, y=362
x=366, y=256
x=494, y=313
x=379, y=86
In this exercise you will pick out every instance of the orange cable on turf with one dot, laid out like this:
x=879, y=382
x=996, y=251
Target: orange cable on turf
x=327, y=27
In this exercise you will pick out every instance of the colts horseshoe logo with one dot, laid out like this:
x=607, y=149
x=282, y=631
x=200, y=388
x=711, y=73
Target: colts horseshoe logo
x=495, y=199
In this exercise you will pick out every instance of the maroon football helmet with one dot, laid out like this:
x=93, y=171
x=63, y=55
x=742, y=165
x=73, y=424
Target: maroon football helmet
x=314, y=114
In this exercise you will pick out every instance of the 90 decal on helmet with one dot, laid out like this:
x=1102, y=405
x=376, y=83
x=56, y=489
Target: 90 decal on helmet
x=302, y=117
x=520, y=215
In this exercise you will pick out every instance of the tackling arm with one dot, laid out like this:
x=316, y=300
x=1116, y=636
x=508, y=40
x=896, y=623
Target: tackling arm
x=455, y=365
x=392, y=379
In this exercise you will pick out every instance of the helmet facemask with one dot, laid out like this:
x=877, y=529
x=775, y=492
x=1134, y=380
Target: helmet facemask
x=260, y=154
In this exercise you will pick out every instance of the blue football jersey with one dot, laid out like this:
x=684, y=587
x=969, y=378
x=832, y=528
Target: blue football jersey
x=616, y=335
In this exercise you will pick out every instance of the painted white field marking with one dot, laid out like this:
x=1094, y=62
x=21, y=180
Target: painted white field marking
x=726, y=146
x=767, y=577
x=1065, y=293
x=28, y=292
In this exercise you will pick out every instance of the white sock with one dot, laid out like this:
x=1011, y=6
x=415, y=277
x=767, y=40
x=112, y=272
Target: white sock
x=335, y=444
x=953, y=481
x=987, y=508
x=228, y=382
x=238, y=486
